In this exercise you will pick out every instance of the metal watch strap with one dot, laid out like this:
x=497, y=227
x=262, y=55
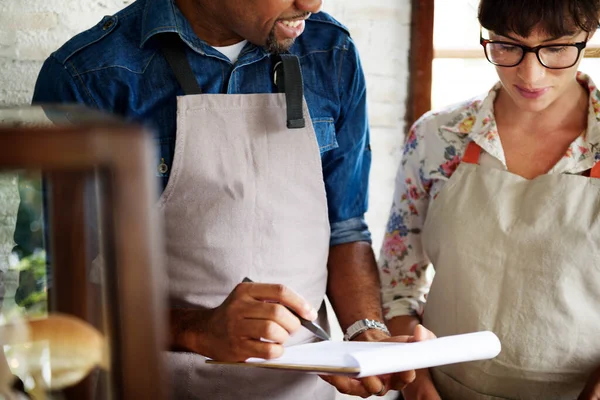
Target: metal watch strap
x=363, y=325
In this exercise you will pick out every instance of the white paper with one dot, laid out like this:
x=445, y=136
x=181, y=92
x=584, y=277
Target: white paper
x=377, y=358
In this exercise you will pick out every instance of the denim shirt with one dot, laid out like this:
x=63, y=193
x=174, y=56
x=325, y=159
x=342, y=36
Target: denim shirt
x=117, y=66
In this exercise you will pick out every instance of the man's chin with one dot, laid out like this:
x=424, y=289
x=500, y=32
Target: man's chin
x=275, y=46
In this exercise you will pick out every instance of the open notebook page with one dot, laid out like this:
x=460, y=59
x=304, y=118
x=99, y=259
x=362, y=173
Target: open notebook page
x=375, y=358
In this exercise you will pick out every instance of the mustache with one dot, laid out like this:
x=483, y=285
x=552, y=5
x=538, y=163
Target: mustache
x=300, y=16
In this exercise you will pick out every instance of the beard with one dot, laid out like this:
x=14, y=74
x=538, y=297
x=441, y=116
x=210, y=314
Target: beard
x=277, y=47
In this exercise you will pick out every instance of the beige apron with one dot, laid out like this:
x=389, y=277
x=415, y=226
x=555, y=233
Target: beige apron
x=520, y=258
x=246, y=198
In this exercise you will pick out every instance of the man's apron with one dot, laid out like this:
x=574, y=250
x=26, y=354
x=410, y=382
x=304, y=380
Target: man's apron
x=520, y=258
x=245, y=198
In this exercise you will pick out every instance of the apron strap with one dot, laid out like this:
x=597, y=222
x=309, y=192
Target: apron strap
x=287, y=76
x=173, y=50
x=472, y=153
x=595, y=172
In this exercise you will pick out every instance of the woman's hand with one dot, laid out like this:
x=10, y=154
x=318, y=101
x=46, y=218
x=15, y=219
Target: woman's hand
x=373, y=385
x=422, y=388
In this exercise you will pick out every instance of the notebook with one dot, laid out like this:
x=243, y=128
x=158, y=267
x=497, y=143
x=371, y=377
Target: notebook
x=361, y=359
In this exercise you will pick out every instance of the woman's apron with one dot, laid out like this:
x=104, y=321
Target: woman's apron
x=245, y=198
x=520, y=258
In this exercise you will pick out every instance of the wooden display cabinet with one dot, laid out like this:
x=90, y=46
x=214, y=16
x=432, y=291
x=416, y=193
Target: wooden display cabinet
x=98, y=195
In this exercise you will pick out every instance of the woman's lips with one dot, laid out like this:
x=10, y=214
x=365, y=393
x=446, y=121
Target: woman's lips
x=290, y=29
x=531, y=93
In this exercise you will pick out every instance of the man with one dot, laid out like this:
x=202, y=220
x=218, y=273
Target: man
x=256, y=183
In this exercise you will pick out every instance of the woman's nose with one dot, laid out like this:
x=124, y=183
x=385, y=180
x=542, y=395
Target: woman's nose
x=530, y=70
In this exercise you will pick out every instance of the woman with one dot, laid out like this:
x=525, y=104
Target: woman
x=501, y=194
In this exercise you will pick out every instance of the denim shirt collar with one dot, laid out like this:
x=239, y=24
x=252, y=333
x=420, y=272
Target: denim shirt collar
x=159, y=17
x=162, y=16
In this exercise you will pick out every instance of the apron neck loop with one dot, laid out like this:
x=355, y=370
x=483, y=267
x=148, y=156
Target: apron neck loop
x=287, y=76
x=173, y=48
x=286, y=72
x=472, y=153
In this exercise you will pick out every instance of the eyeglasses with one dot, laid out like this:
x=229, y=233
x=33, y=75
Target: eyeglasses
x=554, y=56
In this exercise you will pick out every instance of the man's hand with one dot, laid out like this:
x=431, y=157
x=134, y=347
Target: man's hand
x=380, y=385
x=592, y=388
x=373, y=385
x=251, y=322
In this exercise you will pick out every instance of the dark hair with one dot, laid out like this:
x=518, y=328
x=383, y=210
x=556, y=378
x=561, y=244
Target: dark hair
x=555, y=17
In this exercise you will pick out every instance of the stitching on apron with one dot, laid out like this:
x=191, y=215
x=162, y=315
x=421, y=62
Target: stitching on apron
x=175, y=162
x=233, y=110
x=189, y=375
x=448, y=186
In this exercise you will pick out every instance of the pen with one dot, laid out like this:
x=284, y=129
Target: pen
x=311, y=326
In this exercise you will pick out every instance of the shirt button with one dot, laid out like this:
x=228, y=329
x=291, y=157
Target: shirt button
x=108, y=24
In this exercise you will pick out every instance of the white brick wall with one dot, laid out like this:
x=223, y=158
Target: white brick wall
x=31, y=29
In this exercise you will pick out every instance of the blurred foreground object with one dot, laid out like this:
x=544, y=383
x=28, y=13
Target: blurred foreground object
x=86, y=259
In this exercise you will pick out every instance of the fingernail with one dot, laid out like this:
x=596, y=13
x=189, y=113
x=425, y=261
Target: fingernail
x=311, y=310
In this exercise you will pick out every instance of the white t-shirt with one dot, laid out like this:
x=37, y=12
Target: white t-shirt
x=232, y=52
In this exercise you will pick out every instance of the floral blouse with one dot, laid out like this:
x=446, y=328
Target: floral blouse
x=432, y=152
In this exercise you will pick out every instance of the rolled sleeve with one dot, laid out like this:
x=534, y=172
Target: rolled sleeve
x=351, y=230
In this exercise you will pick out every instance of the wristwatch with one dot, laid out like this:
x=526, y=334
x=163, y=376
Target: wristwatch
x=363, y=325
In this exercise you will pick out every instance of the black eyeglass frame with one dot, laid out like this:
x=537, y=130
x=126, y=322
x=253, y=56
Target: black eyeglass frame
x=526, y=49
